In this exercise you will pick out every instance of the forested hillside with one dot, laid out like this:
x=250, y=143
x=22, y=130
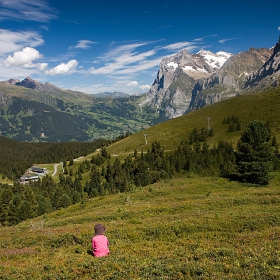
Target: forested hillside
x=103, y=174
x=16, y=157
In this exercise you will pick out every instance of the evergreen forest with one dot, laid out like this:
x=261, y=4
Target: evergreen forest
x=104, y=174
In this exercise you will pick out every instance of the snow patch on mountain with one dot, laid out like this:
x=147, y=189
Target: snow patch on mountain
x=215, y=60
x=173, y=64
x=196, y=69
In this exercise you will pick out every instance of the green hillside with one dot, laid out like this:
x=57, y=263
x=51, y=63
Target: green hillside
x=189, y=228
x=63, y=115
x=259, y=106
x=181, y=228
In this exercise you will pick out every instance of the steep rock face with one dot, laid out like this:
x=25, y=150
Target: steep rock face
x=228, y=81
x=268, y=75
x=176, y=78
x=177, y=97
x=187, y=82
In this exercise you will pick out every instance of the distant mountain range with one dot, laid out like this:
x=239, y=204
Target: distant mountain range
x=33, y=111
x=112, y=94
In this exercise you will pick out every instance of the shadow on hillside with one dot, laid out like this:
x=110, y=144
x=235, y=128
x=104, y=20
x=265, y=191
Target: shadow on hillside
x=89, y=252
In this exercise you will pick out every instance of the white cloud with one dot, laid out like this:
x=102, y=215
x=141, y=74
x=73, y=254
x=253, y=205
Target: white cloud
x=225, y=40
x=180, y=45
x=126, y=59
x=202, y=38
x=132, y=84
x=23, y=58
x=13, y=41
x=42, y=66
x=279, y=28
x=83, y=44
x=145, y=87
x=122, y=58
x=122, y=49
x=142, y=66
x=63, y=68
x=28, y=10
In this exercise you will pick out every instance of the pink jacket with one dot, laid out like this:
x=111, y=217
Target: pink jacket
x=100, y=246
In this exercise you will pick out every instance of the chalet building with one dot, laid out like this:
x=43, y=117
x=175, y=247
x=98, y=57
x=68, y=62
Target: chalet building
x=37, y=170
x=28, y=178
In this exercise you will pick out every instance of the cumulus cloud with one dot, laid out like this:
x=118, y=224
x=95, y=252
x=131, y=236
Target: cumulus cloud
x=28, y=10
x=42, y=66
x=24, y=58
x=279, y=28
x=145, y=87
x=83, y=44
x=14, y=41
x=63, y=68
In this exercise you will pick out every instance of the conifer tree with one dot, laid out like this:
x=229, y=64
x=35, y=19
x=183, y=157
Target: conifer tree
x=254, y=154
x=64, y=201
x=31, y=206
x=6, y=197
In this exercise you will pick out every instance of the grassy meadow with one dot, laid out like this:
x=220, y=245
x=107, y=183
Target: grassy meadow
x=262, y=106
x=184, y=228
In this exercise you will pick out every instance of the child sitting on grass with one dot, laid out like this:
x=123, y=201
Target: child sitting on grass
x=100, y=242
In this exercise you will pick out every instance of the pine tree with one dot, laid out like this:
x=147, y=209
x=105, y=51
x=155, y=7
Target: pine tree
x=254, y=154
x=64, y=201
x=31, y=206
x=6, y=197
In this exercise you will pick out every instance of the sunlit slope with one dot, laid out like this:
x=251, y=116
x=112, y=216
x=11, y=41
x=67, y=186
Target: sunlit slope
x=261, y=106
x=183, y=228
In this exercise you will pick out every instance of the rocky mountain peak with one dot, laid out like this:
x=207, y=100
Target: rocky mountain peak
x=28, y=83
x=186, y=82
x=33, y=84
x=214, y=60
x=268, y=75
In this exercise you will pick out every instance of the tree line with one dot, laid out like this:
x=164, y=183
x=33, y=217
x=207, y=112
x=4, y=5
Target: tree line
x=252, y=160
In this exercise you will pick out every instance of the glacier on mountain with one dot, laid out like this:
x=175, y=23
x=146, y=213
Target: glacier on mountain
x=215, y=60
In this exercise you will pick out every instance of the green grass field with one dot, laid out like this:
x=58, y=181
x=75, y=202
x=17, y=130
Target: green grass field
x=262, y=106
x=184, y=228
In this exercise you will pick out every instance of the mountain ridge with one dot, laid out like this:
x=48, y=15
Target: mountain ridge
x=204, y=84
x=185, y=82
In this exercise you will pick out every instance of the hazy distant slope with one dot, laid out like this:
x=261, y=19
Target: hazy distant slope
x=36, y=114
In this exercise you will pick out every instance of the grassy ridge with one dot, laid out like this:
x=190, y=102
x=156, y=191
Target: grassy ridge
x=260, y=106
x=188, y=228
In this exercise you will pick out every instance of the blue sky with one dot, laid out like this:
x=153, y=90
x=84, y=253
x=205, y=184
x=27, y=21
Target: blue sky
x=108, y=45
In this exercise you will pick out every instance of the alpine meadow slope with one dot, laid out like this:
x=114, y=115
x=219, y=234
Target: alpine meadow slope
x=262, y=106
x=188, y=228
